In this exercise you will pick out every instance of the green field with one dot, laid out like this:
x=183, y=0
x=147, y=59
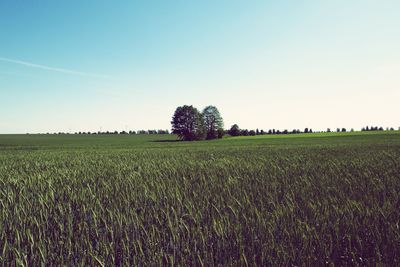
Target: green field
x=128, y=200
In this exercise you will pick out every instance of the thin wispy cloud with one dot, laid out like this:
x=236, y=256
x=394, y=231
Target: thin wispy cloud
x=55, y=69
x=10, y=73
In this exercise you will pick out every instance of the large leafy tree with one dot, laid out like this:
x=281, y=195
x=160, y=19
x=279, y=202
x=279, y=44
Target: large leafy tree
x=213, y=122
x=187, y=123
x=235, y=130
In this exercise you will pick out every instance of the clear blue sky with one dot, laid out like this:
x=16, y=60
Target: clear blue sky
x=115, y=65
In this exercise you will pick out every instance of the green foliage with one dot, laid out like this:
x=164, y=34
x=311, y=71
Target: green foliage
x=235, y=130
x=188, y=123
x=140, y=200
x=220, y=133
x=212, y=121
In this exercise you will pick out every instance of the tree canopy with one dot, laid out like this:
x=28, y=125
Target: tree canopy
x=187, y=123
x=212, y=121
x=235, y=130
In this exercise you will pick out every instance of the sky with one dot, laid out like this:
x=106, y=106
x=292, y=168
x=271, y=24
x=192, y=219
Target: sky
x=68, y=66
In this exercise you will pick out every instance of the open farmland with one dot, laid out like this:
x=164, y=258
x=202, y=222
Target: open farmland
x=126, y=200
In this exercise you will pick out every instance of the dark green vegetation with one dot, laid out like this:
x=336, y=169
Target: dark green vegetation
x=135, y=200
x=191, y=125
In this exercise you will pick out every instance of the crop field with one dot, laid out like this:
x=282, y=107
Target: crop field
x=140, y=200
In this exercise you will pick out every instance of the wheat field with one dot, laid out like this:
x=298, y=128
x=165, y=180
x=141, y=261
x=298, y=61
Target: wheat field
x=314, y=199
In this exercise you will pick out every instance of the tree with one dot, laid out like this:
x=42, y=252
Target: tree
x=187, y=123
x=244, y=132
x=234, y=131
x=221, y=132
x=252, y=133
x=212, y=121
x=161, y=132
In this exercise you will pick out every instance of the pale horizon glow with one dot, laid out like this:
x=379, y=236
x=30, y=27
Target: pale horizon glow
x=128, y=65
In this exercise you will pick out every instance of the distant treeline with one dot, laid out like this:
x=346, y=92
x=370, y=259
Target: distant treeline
x=236, y=131
x=376, y=128
x=121, y=132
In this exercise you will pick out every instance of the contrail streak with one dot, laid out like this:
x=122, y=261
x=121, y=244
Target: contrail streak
x=43, y=67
